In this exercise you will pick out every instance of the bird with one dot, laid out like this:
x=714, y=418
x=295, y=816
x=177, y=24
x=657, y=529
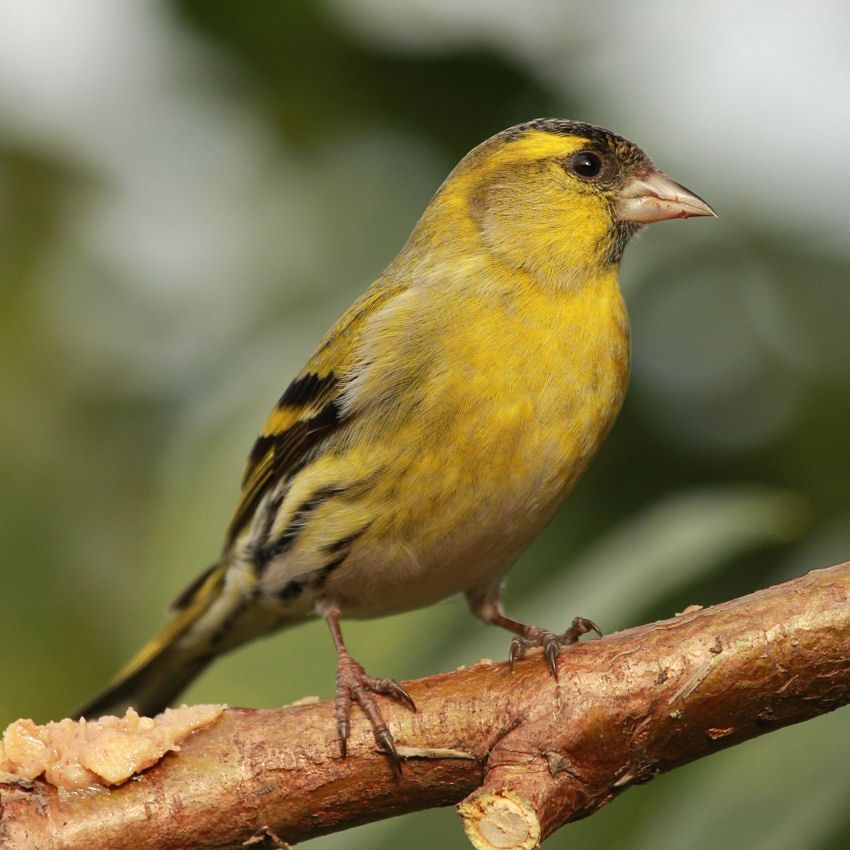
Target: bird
x=439, y=424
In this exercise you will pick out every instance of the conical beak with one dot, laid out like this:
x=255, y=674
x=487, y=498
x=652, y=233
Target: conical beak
x=655, y=197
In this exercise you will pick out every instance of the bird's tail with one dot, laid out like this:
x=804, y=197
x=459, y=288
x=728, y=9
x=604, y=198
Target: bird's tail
x=167, y=664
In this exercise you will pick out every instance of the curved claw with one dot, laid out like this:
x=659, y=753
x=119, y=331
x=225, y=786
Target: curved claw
x=387, y=746
x=552, y=647
x=594, y=628
x=519, y=646
x=580, y=626
x=396, y=691
x=343, y=727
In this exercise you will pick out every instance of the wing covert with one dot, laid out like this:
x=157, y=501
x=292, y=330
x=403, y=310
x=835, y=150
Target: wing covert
x=309, y=410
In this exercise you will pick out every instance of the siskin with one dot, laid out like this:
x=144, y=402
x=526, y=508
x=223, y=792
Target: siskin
x=442, y=420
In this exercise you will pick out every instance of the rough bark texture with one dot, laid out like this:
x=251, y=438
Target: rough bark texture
x=525, y=754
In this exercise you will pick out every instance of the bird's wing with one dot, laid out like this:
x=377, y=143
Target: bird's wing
x=310, y=408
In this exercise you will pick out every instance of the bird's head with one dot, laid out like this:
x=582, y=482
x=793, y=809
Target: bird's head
x=562, y=198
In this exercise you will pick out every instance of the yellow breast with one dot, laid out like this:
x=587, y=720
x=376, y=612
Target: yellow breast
x=524, y=386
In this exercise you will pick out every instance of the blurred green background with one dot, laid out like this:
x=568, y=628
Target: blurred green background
x=191, y=192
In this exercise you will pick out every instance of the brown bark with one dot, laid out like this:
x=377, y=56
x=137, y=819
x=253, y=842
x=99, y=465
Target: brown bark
x=525, y=754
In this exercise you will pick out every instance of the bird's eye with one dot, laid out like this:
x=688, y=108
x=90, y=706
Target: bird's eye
x=586, y=164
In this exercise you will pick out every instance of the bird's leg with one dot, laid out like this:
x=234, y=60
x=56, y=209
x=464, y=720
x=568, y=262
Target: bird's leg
x=353, y=685
x=489, y=609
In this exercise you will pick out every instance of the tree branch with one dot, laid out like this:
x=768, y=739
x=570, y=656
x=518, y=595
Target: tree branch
x=523, y=753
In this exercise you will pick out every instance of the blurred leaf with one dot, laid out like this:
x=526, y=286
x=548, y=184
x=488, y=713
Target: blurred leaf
x=672, y=544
